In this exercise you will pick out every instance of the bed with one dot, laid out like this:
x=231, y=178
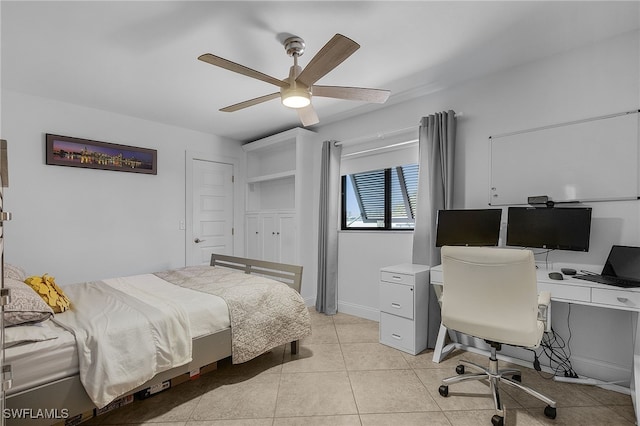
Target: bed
x=240, y=317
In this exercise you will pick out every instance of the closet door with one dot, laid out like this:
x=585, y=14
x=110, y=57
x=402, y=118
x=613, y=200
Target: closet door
x=286, y=237
x=254, y=236
x=270, y=239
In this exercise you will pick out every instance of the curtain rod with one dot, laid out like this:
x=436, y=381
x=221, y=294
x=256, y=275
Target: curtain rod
x=383, y=135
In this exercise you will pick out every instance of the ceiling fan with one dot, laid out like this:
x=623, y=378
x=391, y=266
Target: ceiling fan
x=299, y=87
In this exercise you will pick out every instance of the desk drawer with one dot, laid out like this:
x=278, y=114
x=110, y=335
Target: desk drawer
x=566, y=291
x=397, y=332
x=396, y=299
x=394, y=277
x=620, y=298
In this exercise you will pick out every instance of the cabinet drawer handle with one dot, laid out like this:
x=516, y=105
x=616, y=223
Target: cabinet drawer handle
x=396, y=305
x=622, y=299
x=396, y=336
x=396, y=277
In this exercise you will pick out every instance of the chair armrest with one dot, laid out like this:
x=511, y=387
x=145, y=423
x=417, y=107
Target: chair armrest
x=544, y=298
x=544, y=309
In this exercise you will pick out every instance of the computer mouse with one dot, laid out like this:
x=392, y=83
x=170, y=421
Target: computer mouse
x=556, y=276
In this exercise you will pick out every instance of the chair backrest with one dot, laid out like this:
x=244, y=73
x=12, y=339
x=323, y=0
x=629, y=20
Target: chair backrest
x=491, y=293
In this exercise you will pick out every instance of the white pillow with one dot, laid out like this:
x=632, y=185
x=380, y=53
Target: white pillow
x=26, y=334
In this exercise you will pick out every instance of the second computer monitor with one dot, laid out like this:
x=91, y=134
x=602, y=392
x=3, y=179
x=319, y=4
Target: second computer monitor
x=468, y=227
x=551, y=228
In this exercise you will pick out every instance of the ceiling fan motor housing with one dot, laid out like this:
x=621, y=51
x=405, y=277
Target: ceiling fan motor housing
x=294, y=46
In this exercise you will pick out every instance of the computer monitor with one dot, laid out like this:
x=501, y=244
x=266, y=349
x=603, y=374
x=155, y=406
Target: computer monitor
x=550, y=228
x=469, y=227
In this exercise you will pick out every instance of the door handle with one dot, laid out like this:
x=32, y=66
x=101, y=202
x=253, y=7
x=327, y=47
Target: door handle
x=198, y=240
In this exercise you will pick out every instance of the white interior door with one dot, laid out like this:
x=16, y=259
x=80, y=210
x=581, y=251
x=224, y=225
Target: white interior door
x=212, y=222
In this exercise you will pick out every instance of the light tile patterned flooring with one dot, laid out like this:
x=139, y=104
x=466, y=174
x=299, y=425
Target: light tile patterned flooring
x=342, y=376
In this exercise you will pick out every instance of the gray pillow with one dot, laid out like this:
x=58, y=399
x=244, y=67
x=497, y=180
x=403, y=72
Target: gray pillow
x=15, y=272
x=26, y=307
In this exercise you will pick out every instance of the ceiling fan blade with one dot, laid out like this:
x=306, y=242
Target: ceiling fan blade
x=241, y=69
x=250, y=102
x=378, y=96
x=330, y=56
x=308, y=116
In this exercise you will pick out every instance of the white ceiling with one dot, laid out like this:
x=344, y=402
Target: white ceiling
x=139, y=57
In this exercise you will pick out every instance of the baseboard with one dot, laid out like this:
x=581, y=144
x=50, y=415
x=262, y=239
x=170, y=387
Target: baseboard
x=601, y=370
x=585, y=367
x=359, y=311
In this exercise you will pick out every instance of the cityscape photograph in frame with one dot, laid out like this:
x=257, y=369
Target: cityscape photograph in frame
x=76, y=152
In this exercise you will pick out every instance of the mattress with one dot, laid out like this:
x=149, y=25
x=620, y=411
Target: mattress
x=42, y=362
x=36, y=363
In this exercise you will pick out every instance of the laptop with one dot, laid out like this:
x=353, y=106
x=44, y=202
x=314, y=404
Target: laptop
x=622, y=268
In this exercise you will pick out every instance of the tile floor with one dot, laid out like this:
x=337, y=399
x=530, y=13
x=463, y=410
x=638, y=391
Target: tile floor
x=342, y=376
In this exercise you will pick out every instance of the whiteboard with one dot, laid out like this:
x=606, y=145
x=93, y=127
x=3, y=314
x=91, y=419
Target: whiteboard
x=588, y=160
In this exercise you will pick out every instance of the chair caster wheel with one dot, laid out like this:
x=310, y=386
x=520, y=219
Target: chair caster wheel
x=550, y=412
x=517, y=377
x=496, y=420
x=460, y=369
x=444, y=391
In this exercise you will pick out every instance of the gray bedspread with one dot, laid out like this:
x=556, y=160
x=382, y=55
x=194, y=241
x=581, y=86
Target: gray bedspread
x=264, y=313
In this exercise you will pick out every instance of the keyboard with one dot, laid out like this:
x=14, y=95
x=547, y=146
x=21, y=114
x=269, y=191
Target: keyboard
x=618, y=282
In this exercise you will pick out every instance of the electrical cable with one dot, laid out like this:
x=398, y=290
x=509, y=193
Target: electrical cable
x=546, y=258
x=557, y=351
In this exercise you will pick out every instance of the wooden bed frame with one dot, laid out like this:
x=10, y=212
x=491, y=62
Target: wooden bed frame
x=289, y=274
x=69, y=393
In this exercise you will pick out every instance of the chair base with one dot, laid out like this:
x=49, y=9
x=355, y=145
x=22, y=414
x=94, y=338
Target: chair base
x=510, y=377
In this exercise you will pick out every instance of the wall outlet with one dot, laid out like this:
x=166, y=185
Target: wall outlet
x=181, y=225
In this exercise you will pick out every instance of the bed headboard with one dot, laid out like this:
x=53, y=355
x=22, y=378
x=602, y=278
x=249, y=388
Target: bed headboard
x=289, y=274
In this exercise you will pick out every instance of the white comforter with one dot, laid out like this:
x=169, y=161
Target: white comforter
x=126, y=332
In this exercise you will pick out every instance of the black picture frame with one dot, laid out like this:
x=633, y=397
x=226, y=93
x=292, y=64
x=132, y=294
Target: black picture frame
x=90, y=154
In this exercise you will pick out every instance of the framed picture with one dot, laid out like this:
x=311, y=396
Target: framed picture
x=75, y=152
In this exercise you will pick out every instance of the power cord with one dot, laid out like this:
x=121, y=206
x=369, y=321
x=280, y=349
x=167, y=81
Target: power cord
x=546, y=257
x=557, y=351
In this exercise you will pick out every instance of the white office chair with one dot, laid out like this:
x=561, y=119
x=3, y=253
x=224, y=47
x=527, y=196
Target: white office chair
x=492, y=294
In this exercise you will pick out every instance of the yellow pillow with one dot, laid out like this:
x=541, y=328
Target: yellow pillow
x=47, y=288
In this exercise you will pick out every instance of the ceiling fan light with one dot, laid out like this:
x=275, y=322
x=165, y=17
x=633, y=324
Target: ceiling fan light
x=296, y=98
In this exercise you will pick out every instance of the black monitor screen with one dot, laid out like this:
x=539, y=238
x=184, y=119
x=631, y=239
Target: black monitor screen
x=550, y=228
x=468, y=227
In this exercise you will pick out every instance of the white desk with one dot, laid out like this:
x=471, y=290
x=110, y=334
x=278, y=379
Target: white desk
x=571, y=290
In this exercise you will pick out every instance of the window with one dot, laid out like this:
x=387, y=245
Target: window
x=382, y=199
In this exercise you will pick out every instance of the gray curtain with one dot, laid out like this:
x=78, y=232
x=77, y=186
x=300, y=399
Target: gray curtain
x=327, y=297
x=436, y=141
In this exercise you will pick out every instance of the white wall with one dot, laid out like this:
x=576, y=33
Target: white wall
x=598, y=79
x=83, y=224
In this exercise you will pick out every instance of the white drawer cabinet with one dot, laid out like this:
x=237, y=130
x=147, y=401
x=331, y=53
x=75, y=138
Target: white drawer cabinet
x=403, y=307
